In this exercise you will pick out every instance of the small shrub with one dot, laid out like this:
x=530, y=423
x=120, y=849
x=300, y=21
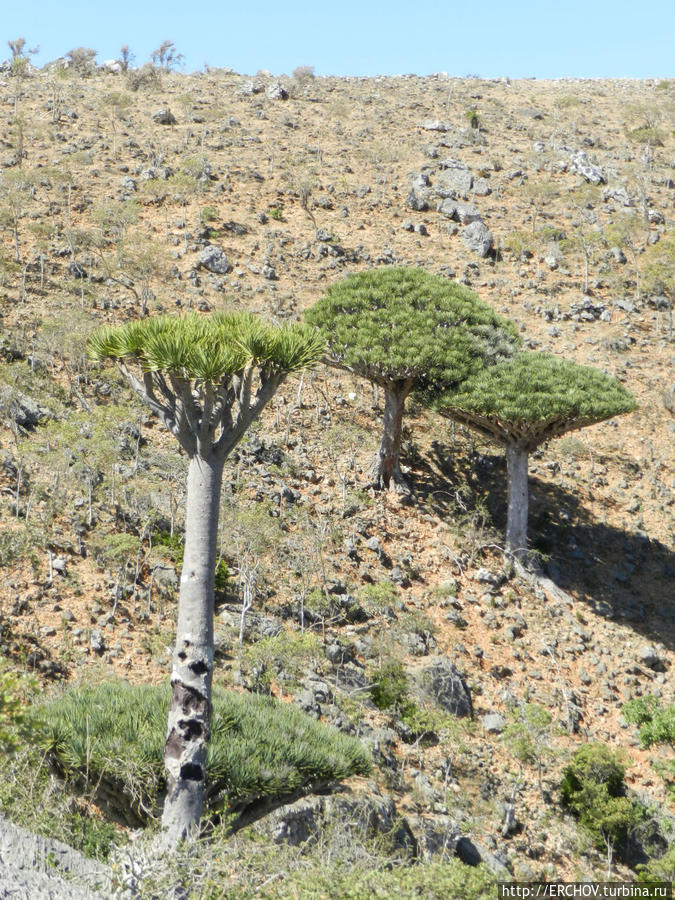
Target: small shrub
x=303, y=74
x=593, y=789
x=378, y=597
x=283, y=656
x=146, y=78
x=208, y=214
x=389, y=687
x=14, y=691
x=276, y=213
x=528, y=737
x=82, y=60
x=662, y=869
x=656, y=723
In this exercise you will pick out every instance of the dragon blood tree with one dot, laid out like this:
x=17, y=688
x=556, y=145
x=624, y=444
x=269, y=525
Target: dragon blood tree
x=206, y=378
x=525, y=401
x=404, y=330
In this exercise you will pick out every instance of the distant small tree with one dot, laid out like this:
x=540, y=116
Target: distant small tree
x=525, y=401
x=528, y=737
x=585, y=235
x=82, y=60
x=206, y=379
x=16, y=189
x=126, y=57
x=539, y=196
x=404, y=329
x=630, y=233
x=659, y=273
x=116, y=103
x=166, y=56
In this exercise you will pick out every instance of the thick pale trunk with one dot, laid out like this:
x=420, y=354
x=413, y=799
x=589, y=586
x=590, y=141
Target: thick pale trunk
x=387, y=467
x=190, y=711
x=516, y=521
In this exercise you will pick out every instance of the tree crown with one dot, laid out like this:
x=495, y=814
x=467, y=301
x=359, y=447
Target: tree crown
x=533, y=397
x=404, y=323
x=208, y=348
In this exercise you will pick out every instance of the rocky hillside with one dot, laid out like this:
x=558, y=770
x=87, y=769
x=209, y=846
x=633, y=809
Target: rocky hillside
x=126, y=193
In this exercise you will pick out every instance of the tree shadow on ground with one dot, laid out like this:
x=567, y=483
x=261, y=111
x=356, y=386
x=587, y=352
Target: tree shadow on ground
x=621, y=575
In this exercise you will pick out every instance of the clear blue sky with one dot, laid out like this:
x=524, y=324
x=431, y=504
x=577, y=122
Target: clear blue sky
x=540, y=38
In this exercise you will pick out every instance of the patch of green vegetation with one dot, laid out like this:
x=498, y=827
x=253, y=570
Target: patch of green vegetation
x=662, y=869
x=345, y=863
x=390, y=690
x=656, y=723
x=31, y=797
x=376, y=598
x=282, y=657
x=276, y=213
x=107, y=740
x=646, y=134
x=528, y=736
x=389, y=686
x=593, y=788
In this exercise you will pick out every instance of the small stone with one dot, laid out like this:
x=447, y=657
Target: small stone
x=493, y=723
x=164, y=117
x=96, y=641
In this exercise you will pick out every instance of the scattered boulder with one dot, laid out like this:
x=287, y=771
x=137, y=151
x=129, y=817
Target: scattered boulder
x=446, y=685
x=75, y=270
x=39, y=867
x=581, y=165
x=481, y=187
x=213, y=259
x=23, y=410
x=453, y=181
x=493, y=723
x=418, y=204
x=359, y=815
x=276, y=91
x=649, y=657
x=434, y=125
x=587, y=310
x=164, y=116
x=478, y=238
x=618, y=195
x=114, y=66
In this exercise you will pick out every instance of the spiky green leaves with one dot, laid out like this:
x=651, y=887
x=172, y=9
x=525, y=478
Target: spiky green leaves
x=208, y=349
x=535, y=396
x=402, y=323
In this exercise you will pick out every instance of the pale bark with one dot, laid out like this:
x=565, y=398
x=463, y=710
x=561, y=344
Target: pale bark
x=191, y=677
x=387, y=466
x=516, y=520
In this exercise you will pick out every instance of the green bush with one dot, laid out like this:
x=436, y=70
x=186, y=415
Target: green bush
x=14, y=690
x=440, y=879
x=109, y=738
x=662, y=869
x=593, y=789
x=378, y=597
x=656, y=723
x=389, y=687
